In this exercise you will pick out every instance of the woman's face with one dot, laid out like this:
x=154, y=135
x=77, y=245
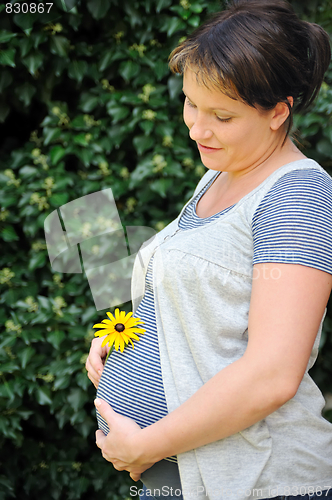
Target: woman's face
x=231, y=136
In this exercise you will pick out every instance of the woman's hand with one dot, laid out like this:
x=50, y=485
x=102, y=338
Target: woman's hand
x=118, y=447
x=95, y=361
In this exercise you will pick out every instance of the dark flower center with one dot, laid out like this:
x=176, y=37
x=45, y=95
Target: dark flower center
x=119, y=327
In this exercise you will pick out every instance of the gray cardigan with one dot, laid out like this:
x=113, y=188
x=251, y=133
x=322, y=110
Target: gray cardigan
x=202, y=287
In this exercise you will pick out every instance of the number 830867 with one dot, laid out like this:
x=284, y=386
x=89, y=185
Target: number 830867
x=31, y=8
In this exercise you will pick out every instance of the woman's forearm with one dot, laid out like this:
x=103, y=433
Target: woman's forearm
x=235, y=398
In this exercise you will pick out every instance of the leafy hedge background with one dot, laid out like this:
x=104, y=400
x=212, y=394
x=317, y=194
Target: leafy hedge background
x=87, y=102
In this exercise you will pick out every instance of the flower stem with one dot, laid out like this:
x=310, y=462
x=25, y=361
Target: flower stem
x=109, y=352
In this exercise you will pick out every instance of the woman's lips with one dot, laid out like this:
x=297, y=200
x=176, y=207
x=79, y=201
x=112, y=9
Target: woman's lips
x=206, y=149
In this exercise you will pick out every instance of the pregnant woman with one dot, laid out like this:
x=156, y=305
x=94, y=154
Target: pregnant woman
x=215, y=401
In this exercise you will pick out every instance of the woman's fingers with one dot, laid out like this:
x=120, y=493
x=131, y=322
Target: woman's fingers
x=95, y=361
x=97, y=354
x=134, y=476
x=92, y=374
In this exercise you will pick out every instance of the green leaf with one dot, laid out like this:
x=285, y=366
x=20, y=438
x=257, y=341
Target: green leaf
x=81, y=140
x=9, y=367
x=9, y=234
x=89, y=315
x=4, y=112
x=162, y=4
x=25, y=355
x=59, y=45
x=38, y=38
x=25, y=92
x=61, y=382
x=7, y=199
x=33, y=62
x=147, y=126
x=25, y=21
x=160, y=68
x=98, y=8
x=55, y=338
x=161, y=186
x=58, y=199
x=5, y=36
x=59, y=65
x=50, y=135
x=174, y=85
x=134, y=16
x=5, y=79
x=56, y=153
x=77, y=70
x=117, y=112
x=7, y=57
x=88, y=102
x=105, y=60
x=324, y=147
x=44, y=302
x=85, y=155
x=129, y=69
x=37, y=260
x=196, y=7
x=142, y=143
x=78, y=123
x=194, y=21
x=25, y=46
x=77, y=399
x=327, y=132
x=173, y=25
x=43, y=395
x=142, y=171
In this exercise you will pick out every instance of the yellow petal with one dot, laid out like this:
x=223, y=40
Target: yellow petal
x=127, y=317
x=132, y=342
x=107, y=321
x=111, y=317
x=122, y=316
x=105, y=341
x=117, y=342
x=122, y=344
x=131, y=336
x=116, y=313
x=136, y=330
x=101, y=325
x=133, y=322
x=102, y=333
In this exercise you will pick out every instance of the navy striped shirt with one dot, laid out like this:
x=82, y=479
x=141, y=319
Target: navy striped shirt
x=292, y=224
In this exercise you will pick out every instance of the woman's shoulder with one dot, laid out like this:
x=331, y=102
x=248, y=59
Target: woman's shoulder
x=293, y=222
x=312, y=177
x=301, y=183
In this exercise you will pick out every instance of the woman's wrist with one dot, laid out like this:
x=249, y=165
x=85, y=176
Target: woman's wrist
x=147, y=446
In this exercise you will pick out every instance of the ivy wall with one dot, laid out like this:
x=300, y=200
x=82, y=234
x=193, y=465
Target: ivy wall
x=86, y=103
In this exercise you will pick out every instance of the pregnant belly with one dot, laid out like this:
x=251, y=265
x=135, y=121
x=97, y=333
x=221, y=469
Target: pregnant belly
x=131, y=382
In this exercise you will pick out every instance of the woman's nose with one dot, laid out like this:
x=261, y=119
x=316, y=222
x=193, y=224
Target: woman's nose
x=200, y=131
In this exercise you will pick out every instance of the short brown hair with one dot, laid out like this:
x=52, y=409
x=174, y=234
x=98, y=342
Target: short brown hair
x=260, y=52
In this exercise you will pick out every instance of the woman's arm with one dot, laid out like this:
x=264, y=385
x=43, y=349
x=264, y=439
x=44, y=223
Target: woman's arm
x=286, y=308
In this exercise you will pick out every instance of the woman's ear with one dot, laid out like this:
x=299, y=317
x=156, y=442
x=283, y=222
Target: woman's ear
x=281, y=113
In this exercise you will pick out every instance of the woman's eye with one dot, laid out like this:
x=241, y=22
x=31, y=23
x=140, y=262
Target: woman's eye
x=224, y=120
x=190, y=103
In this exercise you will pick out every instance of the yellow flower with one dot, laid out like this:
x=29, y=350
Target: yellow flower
x=185, y=4
x=120, y=330
x=140, y=48
x=168, y=141
x=149, y=114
